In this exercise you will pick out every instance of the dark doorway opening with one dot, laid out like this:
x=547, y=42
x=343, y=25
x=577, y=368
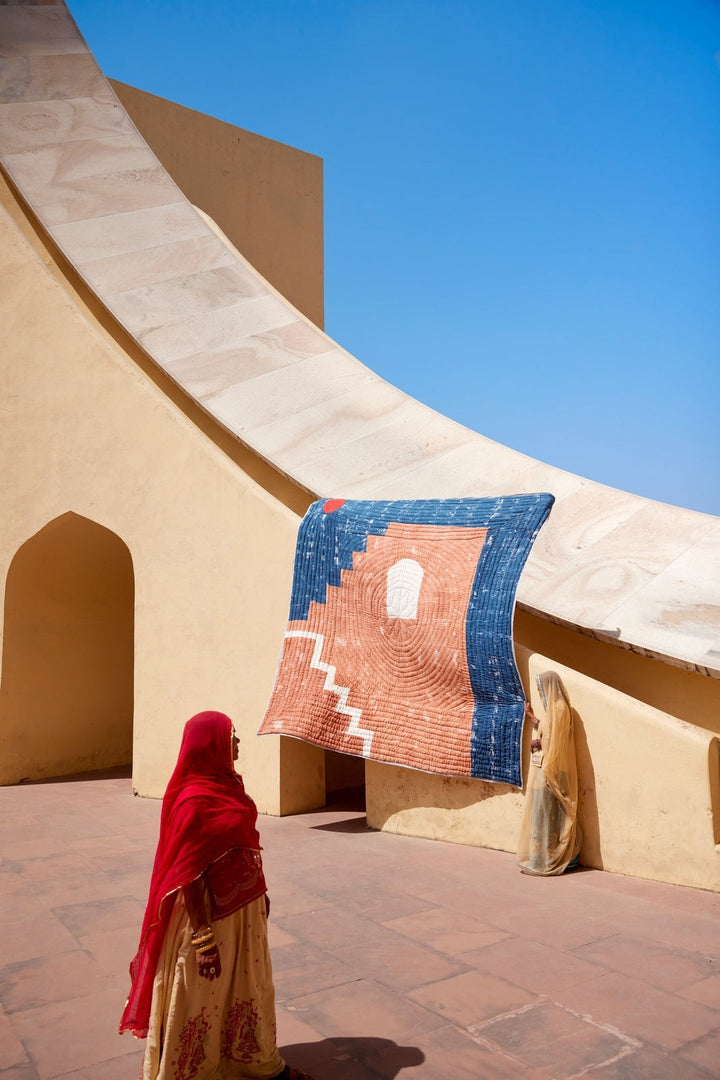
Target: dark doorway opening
x=344, y=781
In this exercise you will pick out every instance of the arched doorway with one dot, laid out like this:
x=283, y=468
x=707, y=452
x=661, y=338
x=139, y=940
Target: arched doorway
x=66, y=698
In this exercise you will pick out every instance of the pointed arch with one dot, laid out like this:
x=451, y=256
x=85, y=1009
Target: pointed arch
x=66, y=697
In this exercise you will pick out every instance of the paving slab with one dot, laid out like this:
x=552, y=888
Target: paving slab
x=393, y=956
x=631, y=1005
x=648, y=1065
x=555, y=1041
x=472, y=997
x=704, y=1052
x=535, y=966
x=400, y=965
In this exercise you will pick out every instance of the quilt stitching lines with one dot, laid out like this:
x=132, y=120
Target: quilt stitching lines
x=341, y=691
x=428, y=655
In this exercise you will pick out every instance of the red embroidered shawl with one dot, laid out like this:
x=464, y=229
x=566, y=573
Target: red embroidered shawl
x=205, y=814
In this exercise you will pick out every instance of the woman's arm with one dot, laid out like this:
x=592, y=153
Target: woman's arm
x=206, y=951
x=531, y=715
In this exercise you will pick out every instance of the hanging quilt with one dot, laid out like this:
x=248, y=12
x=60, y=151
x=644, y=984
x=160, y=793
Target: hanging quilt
x=399, y=641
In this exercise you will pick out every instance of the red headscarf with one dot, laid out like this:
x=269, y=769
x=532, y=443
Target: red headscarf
x=205, y=813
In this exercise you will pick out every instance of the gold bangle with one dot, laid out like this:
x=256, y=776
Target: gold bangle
x=204, y=932
x=209, y=947
x=203, y=939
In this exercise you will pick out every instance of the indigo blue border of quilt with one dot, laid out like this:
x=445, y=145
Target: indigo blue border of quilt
x=325, y=546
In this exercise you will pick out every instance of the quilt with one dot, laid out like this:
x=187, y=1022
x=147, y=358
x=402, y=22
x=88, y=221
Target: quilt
x=399, y=644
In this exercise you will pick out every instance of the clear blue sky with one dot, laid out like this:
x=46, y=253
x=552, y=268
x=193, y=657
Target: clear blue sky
x=522, y=215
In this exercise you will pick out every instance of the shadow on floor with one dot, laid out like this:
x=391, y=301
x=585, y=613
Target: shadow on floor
x=348, y=825
x=353, y=1058
x=345, y=801
x=118, y=772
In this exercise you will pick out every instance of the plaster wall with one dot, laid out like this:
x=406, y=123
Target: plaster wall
x=265, y=196
x=125, y=492
x=649, y=789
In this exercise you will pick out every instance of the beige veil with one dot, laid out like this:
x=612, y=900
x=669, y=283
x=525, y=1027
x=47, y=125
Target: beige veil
x=549, y=835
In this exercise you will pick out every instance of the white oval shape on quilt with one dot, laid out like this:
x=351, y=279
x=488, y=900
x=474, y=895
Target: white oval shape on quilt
x=403, y=589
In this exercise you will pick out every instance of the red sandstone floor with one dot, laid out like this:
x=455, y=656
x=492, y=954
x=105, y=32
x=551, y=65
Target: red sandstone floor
x=393, y=957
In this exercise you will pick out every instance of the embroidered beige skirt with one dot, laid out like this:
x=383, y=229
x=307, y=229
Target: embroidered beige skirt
x=203, y=1030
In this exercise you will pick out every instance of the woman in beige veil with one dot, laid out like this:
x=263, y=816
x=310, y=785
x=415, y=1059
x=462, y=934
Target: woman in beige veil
x=549, y=835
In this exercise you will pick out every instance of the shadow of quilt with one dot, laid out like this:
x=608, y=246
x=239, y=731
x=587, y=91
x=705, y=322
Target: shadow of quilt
x=346, y=825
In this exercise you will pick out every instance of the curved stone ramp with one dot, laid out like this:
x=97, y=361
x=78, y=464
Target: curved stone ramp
x=620, y=568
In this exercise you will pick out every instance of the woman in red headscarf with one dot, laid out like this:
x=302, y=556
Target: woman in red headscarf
x=202, y=990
